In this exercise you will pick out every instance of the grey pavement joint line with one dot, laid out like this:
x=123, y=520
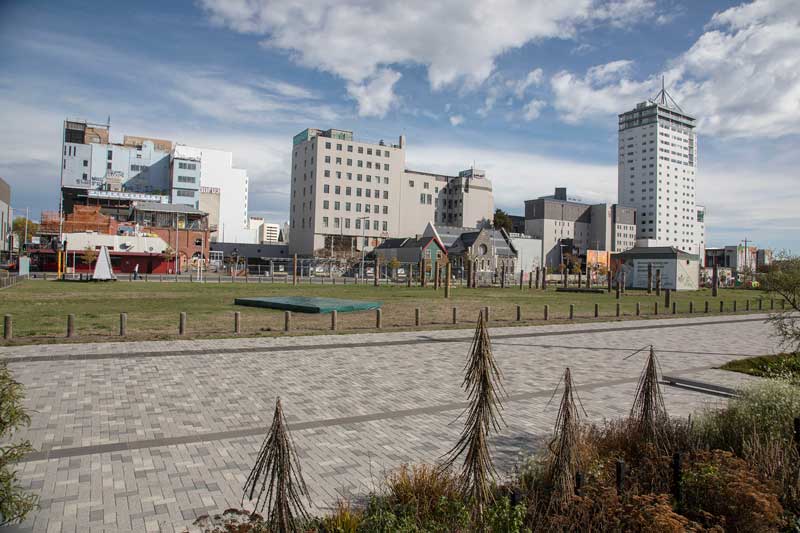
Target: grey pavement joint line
x=79, y=451
x=343, y=346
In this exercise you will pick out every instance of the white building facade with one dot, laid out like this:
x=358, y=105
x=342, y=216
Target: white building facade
x=352, y=195
x=657, y=173
x=93, y=166
x=5, y=215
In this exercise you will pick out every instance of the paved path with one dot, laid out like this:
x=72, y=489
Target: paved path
x=146, y=436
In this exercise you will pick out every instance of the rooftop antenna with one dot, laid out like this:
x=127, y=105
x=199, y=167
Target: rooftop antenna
x=108, y=122
x=664, y=98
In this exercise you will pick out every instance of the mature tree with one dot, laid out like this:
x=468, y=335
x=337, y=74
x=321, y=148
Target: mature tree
x=502, y=220
x=15, y=504
x=276, y=479
x=18, y=227
x=783, y=279
x=483, y=381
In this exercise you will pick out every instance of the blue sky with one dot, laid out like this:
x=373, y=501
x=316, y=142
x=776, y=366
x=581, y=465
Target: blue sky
x=528, y=90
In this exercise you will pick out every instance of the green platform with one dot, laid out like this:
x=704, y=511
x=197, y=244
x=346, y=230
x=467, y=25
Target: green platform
x=303, y=304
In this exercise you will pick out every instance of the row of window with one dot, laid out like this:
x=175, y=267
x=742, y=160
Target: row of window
x=359, y=177
x=186, y=179
x=348, y=206
x=339, y=147
x=359, y=163
x=187, y=166
x=376, y=224
x=348, y=191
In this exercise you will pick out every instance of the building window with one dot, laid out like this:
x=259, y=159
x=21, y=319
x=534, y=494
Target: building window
x=85, y=163
x=410, y=183
x=385, y=226
x=347, y=220
x=325, y=204
x=108, y=165
x=358, y=220
x=326, y=188
x=110, y=154
x=328, y=145
x=327, y=174
x=324, y=222
x=386, y=210
x=386, y=166
x=181, y=179
x=185, y=193
x=187, y=166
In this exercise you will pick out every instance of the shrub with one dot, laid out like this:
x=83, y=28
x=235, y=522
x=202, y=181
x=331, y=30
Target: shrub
x=721, y=490
x=15, y=504
x=345, y=519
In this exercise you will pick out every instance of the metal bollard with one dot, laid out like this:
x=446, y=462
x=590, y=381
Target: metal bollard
x=571, y=311
x=334, y=318
x=237, y=322
x=416, y=316
x=123, y=324
x=596, y=310
x=70, y=325
x=455, y=315
x=547, y=312
x=287, y=320
x=519, y=313
x=182, y=324
x=378, y=321
x=7, y=328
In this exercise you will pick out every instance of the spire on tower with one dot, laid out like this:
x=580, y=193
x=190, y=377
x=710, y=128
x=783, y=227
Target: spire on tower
x=664, y=98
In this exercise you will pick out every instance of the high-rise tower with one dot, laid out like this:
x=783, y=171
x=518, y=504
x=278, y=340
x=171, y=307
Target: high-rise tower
x=657, y=172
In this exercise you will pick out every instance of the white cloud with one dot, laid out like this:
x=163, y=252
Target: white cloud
x=741, y=78
x=533, y=79
x=533, y=109
x=455, y=40
x=500, y=88
x=456, y=120
x=375, y=96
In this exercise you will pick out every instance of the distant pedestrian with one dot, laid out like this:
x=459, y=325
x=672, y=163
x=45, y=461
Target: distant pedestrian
x=136, y=271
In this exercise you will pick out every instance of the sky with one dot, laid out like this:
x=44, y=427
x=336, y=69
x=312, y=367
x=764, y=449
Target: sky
x=528, y=90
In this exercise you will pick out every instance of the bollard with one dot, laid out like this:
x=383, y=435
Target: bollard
x=237, y=322
x=287, y=320
x=721, y=306
x=455, y=315
x=7, y=328
x=655, y=308
x=596, y=310
x=571, y=311
x=70, y=325
x=734, y=306
x=747, y=304
x=530, y=281
x=416, y=316
x=772, y=303
x=783, y=303
x=620, y=477
x=547, y=312
x=448, y=274
x=333, y=320
x=521, y=279
x=618, y=310
x=760, y=304
x=691, y=307
x=378, y=321
x=617, y=293
x=638, y=309
x=667, y=298
x=123, y=324
x=674, y=308
x=486, y=313
x=706, y=310
x=519, y=313
x=182, y=323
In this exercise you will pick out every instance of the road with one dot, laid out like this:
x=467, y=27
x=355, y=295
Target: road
x=145, y=436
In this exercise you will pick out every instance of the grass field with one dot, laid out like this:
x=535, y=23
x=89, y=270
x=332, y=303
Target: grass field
x=40, y=308
x=783, y=366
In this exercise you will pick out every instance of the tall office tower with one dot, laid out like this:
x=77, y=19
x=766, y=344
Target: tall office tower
x=657, y=173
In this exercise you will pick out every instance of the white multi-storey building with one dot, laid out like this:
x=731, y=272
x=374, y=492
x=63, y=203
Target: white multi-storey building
x=5, y=215
x=348, y=195
x=96, y=170
x=657, y=173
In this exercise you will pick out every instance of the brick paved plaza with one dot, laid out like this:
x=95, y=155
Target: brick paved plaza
x=149, y=435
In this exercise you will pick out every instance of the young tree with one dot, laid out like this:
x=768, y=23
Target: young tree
x=648, y=412
x=15, y=504
x=277, y=479
x=89, y=255
x=783, y=279
x=483, y=382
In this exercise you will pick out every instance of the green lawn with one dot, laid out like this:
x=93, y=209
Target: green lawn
x=784, y=366
x=39, y=308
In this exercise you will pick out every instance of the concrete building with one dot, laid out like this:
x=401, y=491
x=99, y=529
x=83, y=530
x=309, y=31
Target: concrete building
x=657, y=173
x=5, y=216
x=738, y=258
x=569, y=227
x=679, y=270
x=348, y=195
x=269, y=233
x=529, y=253
x=97, y=171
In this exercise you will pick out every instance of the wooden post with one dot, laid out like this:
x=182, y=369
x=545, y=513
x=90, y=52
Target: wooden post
x=547, y=312
x=537, y=276
x=468, y=271
x=596, y=310
x=655, y=307
x=706, y=310
x=123, y=324
x=580, y=279
x=544, y=278
x=376, y=271
x=610, y=276
x=674, y=308
x=638, y=309
x=691, y=307
x=618, y=309
x=182, y=323
x=448, y=273
x=503, y=277
x=530, y=281
x=486, y=313
x=334, y=316
x=287, y=320
x=378, y=319
x=571, y=311
x=722, y=306
x=617, y=291
x=760, y=304
x=623, y=283
x=521, y=279
x=70, y=325
x=747, y=304
x=519, y=313
x=714, y=281
x=294, y=270
x=455, y=315
x=658, y=282
x=772, y=303
x=734, y=306
x=649, y=278
x=416, y=316
x=8, y=328
x=423, y=275
x=667, y=298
